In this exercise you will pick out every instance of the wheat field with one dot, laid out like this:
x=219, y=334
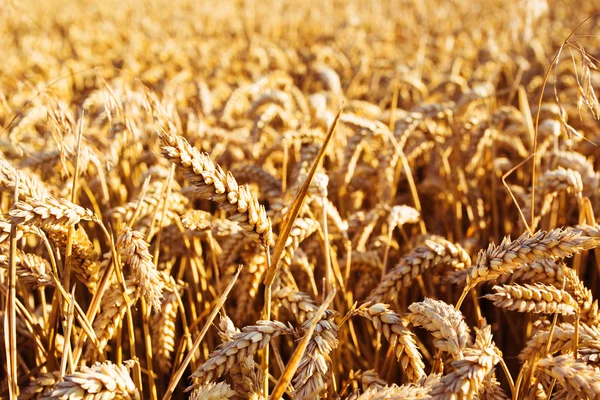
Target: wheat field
x=273, y=199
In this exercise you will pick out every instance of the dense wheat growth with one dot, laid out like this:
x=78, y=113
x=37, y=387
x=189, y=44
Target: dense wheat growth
x=339, y=199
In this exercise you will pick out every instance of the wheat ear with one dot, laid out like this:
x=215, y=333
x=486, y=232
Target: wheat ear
x=212, y=183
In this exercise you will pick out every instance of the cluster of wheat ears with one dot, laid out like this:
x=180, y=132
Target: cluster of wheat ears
x=280, y=200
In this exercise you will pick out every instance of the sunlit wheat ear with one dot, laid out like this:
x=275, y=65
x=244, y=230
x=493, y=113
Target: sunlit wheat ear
x=40, y=385
x=468, y=377
x=510, y=255
x=112, y=312
x=163, y=326
x=537, y=298
x=299, y=304
x=49, y=211
x=134, y=252
x=563, y=337
x=575, y=376
x=446, y=324
x=212, y=183
x=29, y=186
x=100, y=381
x=247, y=378
x=400, y=338
x=242, y=345
x=31, y=269
x=391, y=392
x=310, y=379
x=434, y=252
x=213, y=391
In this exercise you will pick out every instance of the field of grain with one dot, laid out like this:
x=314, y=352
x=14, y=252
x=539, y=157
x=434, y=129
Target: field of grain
x=274, y=199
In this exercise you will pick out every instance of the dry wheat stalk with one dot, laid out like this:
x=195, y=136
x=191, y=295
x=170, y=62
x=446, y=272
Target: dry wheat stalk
x=401, y=339
x=446, y=324
x=435, y=251
x=510, y=255
x=470, y=373
x=212, y=183
x=100, y=381
x=242, y=345
x=536, y=298
x=574, y=375
x=134, y=251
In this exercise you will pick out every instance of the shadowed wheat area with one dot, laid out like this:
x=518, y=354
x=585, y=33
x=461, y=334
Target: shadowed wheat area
x=332, y=199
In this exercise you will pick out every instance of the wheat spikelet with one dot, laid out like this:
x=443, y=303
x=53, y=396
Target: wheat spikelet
x=100, y=381
x=299, y=304
x=545, y=271
x=212, y=183
x=247, y=379
x=588, y=307
x=391, y=392
x=435, y=251
x=49, y=211
x=302, y=228
x=29, y=185
x=446, y=324
x=31, y=269
x=113, y=309
x=242, y=345
x=562, y=179
x=574, y=375
x=134, y=250
x=469, y=374
x=536, y=298
x=370, y=380
x=84, y=258
x=400, y=215
x=39, y=386
x=492, y=390
x=510, y=255
x=196, y=220
x=562, y=341
x=213, y=391
x=162, y=326
x=401, y=339
x=309, y=381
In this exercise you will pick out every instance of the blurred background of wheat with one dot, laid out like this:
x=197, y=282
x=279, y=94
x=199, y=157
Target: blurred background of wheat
x=150, y=148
